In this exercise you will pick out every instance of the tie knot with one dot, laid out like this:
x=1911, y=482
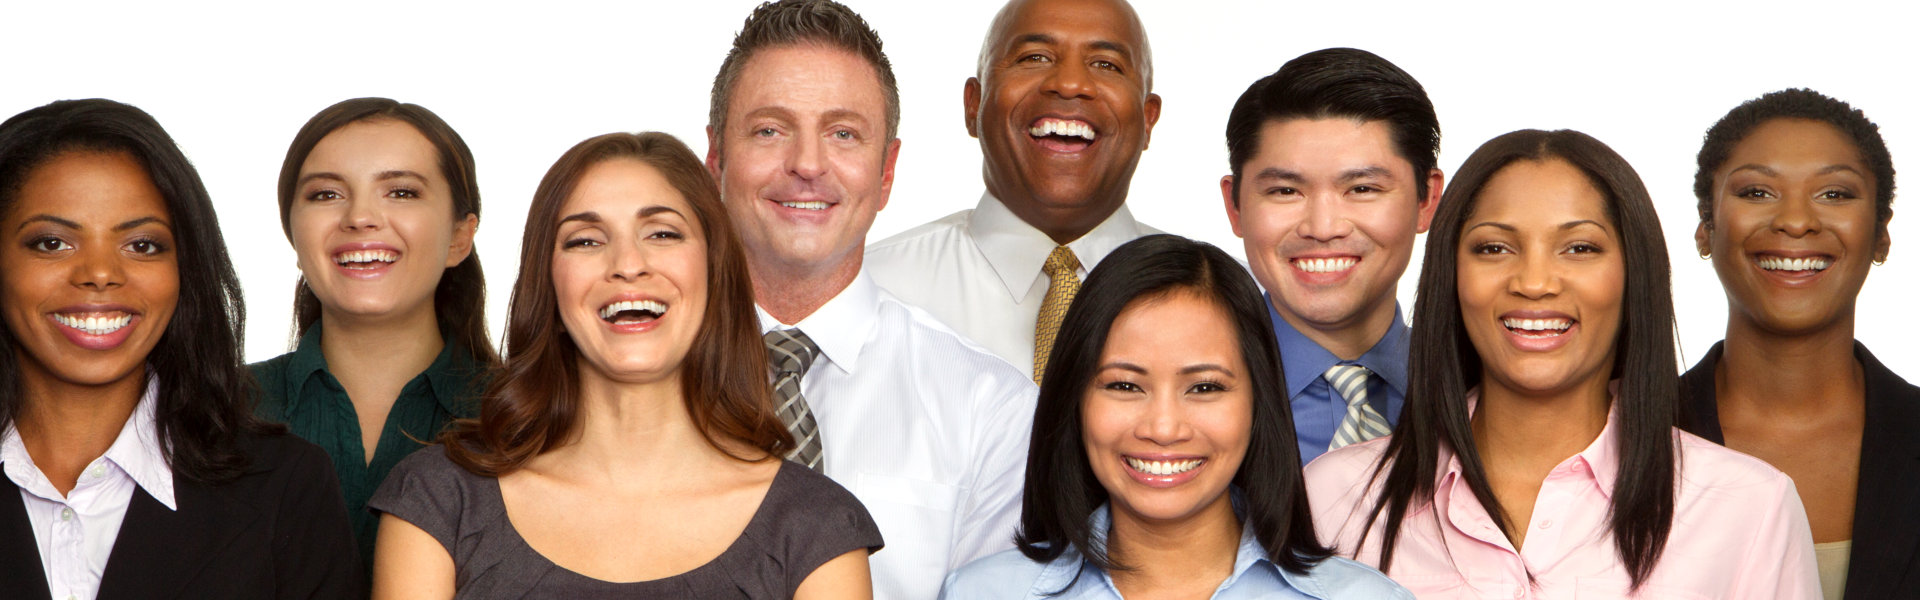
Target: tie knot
x=1061, y=263
x=790, y=351
x=1350, y=381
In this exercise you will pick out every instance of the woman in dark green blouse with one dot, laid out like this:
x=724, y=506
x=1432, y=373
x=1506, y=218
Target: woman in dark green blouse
x=380, y=203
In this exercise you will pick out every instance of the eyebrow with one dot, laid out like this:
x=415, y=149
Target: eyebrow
x=323, y=175
x=1365, y=172
x=138, y=222
x=398, y=174
x=584, y=217
x=1204, y=367
x=72, y=225
x=1511, y=229
x=1769, y=172
x=594, y=217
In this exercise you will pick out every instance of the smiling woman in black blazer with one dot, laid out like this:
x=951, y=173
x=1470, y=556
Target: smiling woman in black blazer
x=1795, y=193
x=132, y=464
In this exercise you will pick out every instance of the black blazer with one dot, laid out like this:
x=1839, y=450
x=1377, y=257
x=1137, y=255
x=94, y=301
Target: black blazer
x=1885, y=561
x=277, y=531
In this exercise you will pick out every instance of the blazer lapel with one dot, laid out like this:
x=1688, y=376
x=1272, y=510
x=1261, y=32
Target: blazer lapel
x=23, y=573
x=1886, y=525
x=159, y=550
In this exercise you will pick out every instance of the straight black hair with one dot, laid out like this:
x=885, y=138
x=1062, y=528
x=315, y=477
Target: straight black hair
x=1338, y=83
x=1061, y=489
x=1444, y=365
x=204, y=401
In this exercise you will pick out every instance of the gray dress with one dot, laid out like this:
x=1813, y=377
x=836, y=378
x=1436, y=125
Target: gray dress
x=805, y=521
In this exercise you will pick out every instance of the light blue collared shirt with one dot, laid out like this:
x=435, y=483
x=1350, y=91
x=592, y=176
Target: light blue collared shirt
x=1010, y=574
x=1317, y=409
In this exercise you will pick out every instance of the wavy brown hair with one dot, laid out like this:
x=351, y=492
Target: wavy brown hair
x=533, y=405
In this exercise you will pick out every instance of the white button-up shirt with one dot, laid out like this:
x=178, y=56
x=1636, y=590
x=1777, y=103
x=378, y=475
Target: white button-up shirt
x=979, y=271
x=75, y=531
x=927, y=429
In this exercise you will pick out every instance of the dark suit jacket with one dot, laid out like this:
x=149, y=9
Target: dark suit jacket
x=277, y=531
x=1885, y=560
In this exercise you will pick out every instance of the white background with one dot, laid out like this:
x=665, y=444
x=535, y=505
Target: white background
x=524, y=82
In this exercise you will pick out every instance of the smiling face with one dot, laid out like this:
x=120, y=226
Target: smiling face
x=1062, y=111
x=88, y=269
x=1541, y=280
x=1329, y=211
x=1169, y=413
x=804, y=162
x=1793, y=231
x=630, y=272
x=372, y=222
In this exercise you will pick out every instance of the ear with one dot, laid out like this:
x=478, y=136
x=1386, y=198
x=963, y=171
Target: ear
x=1436, y=182
x=462, y=244
x=886, y=173
x=713, y=155
x=1153, y=116
x=1883, y=244
x=1233, y=205
x=970, y=97
x=1703, y=238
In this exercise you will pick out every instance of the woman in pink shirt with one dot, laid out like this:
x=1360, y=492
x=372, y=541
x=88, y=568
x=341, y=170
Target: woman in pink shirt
x=1538, y=455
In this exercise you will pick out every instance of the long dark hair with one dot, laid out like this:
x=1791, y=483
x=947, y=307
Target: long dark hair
x=204, y=401
x=460, y=300
x=1061, y=489
x=1444, y=364
x=533, y=406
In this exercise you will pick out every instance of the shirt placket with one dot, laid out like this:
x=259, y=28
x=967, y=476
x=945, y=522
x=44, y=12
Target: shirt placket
x=1504, y=574
x=77, y=576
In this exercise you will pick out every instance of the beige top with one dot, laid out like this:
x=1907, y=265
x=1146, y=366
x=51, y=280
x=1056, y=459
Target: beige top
x=1832, y=558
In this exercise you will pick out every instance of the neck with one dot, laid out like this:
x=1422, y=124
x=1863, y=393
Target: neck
x=791, y=293
x=1348, y=339
x=65, y=426
x=634, y=434
x=1512, y=427
x=385, y=350
x=1061, y=224
x=1788, y=371
x=1173, y=555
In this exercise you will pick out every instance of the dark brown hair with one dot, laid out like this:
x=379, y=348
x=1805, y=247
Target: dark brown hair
x=533, y=405
x=795, y=22
x=460, y=300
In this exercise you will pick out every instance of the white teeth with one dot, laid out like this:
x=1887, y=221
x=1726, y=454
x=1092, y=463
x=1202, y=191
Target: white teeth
x=1046, y=127
x=1553, y=325
x=95, y=325
x=365, y=256
x=1777, y=263
x=608, y=311
x=813, y=205
x=1325, y=265
x=1163, y=467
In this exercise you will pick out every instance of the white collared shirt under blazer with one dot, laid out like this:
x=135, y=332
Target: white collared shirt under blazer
x=75, y=531
x=979, y=271
x=927, y=429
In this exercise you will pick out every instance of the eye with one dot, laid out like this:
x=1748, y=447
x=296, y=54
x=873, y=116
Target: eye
x=1584, y=248
x=1283, y=191
x=1121, y=386
x=147, y=247
x=580, y=242
x=1754, y=192
x=1033, y=58
x=1837, y=194
x=323, y=195
x=766, y=132
x=1108, y=65
x=1207, y=387
x=48, y=244
x=666, y=234
x=405, y=193
x=843, y=134
x=1491, y=248
x=1365, y=189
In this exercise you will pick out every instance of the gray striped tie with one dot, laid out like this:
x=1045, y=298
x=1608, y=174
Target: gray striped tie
x=790, y=352
x=1362, y=422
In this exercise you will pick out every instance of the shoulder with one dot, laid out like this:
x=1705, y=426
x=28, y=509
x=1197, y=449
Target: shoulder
x=1706, y=467
x=282, y=455
x=426, y=480
x=1335, y=471
x=937, y=231
x=1341, y=578
x=936, y=351
x=271, y=377
x=1004, y=574
x=808, y=505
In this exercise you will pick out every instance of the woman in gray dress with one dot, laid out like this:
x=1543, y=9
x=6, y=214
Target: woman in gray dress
x=630, y=447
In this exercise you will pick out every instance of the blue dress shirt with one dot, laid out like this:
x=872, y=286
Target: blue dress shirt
x=1317, y=409
x=1009, y=575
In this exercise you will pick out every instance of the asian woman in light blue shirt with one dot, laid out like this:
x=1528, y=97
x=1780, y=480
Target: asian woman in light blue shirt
x=1163, y=461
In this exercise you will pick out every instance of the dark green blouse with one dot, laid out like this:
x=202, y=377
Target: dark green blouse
x=297, y=389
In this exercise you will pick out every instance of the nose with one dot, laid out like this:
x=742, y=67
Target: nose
x=1165, y=420
x=98, y=268
x=1325, y=219
x=806, y=159
x=1796, y=218
x=627, y=261
x=1069, y=79
x=1538, y=277
x=363, y=214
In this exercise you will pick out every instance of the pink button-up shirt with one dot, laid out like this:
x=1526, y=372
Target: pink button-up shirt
x=1739, y=530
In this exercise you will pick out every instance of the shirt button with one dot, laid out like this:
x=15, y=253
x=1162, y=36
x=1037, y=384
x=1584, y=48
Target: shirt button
x=98, y=469
x=1547, y=524
x=66, y=514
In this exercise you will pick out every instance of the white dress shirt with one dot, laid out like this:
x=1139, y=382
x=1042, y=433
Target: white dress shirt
x=927, y=429
x=979, y=271
x=75, y=531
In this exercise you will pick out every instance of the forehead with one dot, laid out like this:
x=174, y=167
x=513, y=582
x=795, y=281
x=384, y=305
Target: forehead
x=1140, y=335
x=376, y=145
x=1531, y=193
x=86, y=185
x=1334, y=143
x=1069, y=22
x=1796, y=141
x=808, y=77
x=617, y=189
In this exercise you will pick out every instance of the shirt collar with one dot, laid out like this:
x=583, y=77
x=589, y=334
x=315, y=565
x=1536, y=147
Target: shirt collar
x=307, y=360
x=451, y=376
x=1017, y=250
x=1250, y=555
x=136, y=451
x=1600, y=460
x=841, y=326
x=1304, y=360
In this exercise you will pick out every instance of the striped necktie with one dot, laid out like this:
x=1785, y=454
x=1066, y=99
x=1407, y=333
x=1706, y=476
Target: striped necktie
x=789, y=353
x=1063, y=282
x=1362, y=422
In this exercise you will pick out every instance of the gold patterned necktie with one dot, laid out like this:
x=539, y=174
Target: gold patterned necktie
x=1362, y=422
x=790, y=353
x=1063, y=281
